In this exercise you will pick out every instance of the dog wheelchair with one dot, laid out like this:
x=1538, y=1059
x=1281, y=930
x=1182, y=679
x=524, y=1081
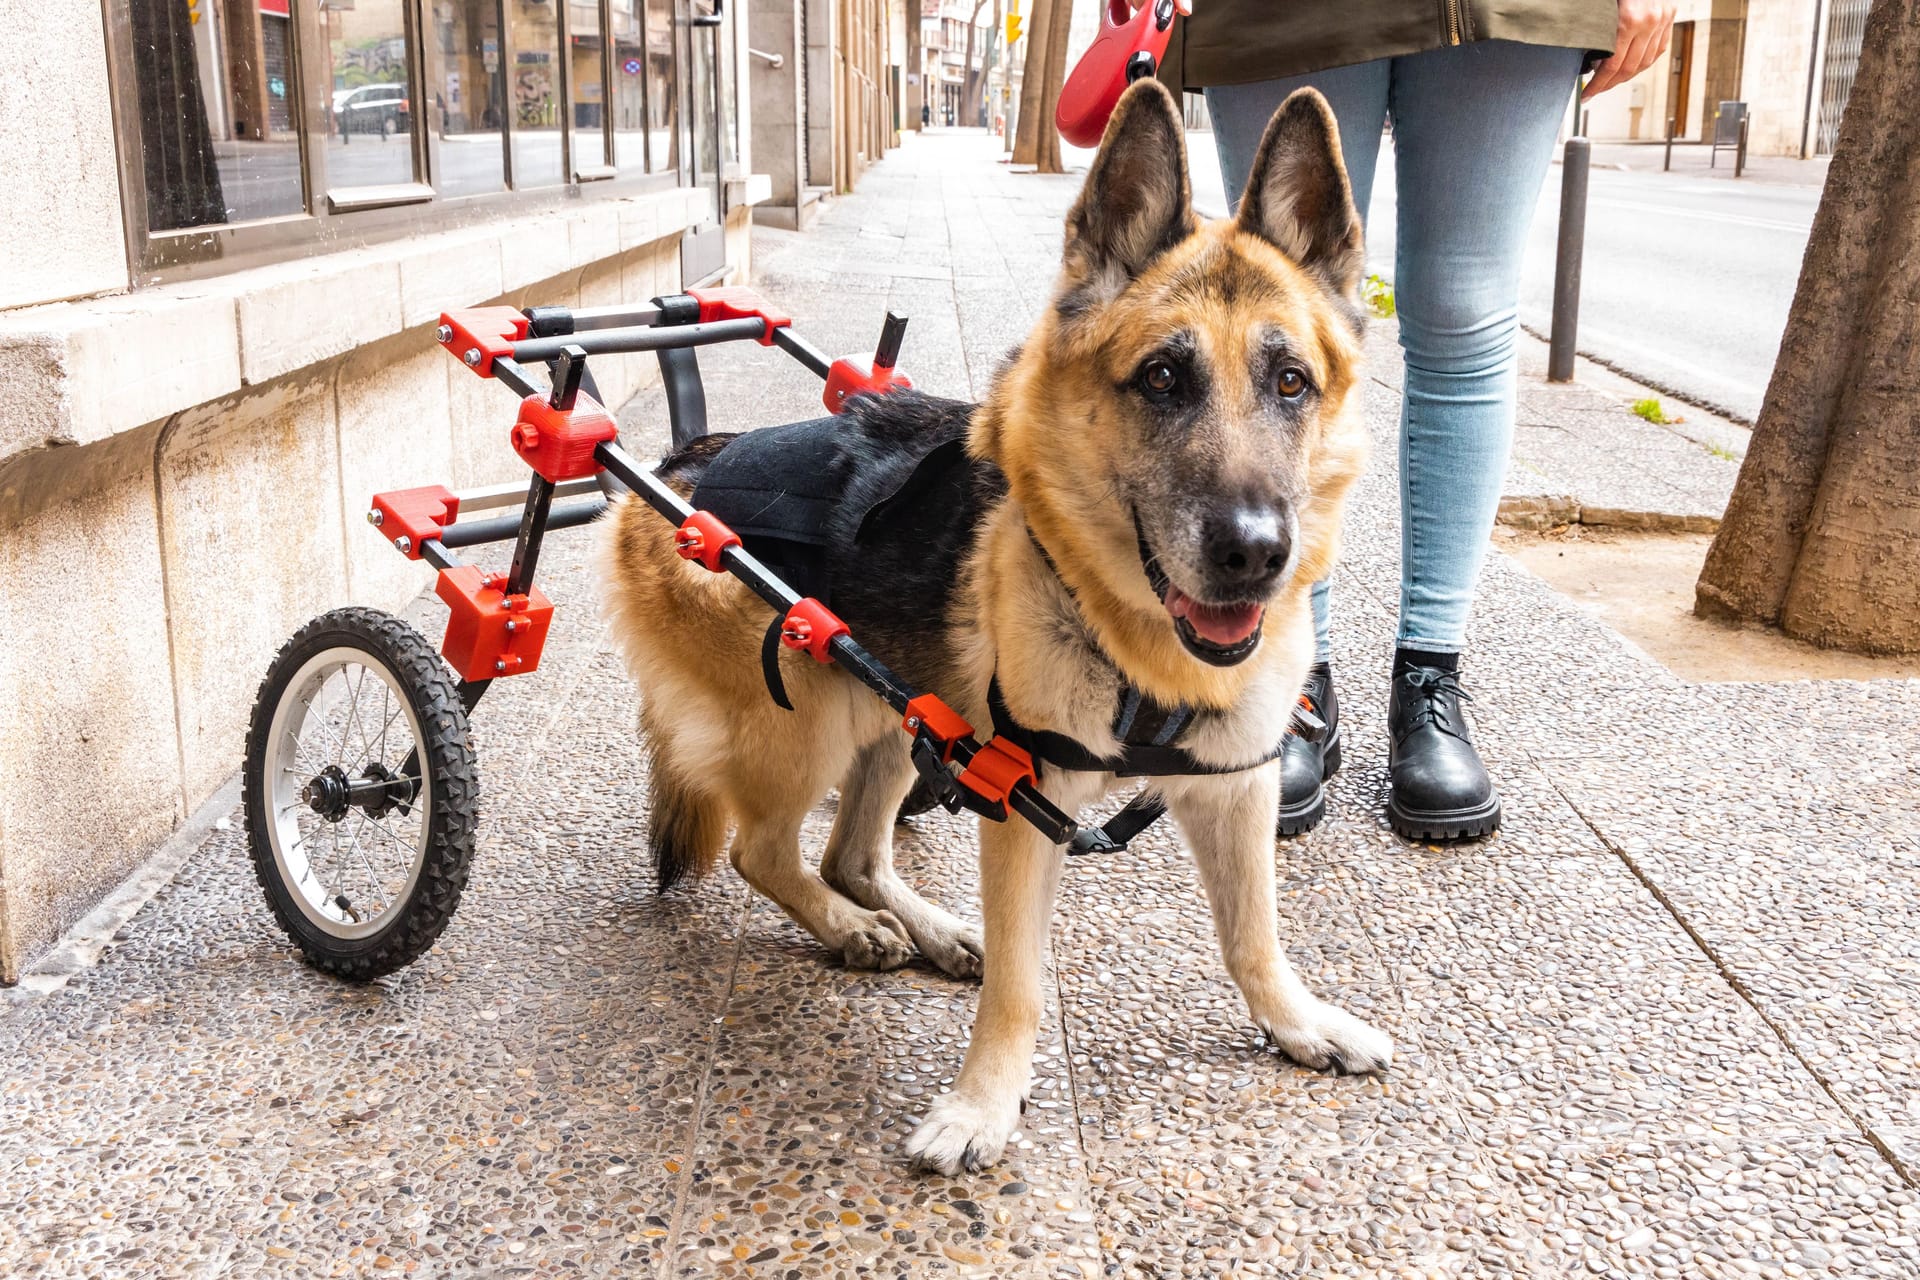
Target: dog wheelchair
x=360, y=787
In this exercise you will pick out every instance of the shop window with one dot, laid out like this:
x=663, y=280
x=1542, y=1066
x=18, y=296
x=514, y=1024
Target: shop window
x=258, y=129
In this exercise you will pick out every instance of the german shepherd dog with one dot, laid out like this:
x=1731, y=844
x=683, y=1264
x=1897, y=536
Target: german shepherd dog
x=1155, y=481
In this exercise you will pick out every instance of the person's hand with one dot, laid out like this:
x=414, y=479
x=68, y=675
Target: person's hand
x=1645, y=28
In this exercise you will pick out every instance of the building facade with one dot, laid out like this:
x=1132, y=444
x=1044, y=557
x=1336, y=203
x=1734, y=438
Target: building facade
x=1791, y=61
x=231, y=226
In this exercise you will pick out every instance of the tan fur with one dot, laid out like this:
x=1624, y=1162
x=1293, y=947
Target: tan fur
x=723, y=752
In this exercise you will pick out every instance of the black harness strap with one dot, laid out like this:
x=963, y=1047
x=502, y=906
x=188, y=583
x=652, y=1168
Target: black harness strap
x=770, y=663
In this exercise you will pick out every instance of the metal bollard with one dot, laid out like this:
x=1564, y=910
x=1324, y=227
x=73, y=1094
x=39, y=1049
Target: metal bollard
x=1566, y=265
x=1740, y=156
x=1667, y=164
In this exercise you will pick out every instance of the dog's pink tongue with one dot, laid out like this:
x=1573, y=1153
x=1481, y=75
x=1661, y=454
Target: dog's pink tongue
x=1215, y=623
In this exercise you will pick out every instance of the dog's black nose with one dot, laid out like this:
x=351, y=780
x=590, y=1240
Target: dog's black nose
x=1247, y=548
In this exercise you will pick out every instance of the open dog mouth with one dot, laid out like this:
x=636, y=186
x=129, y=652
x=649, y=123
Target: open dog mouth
x=1220, y=634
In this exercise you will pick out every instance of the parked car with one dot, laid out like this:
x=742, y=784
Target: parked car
x=372, y=108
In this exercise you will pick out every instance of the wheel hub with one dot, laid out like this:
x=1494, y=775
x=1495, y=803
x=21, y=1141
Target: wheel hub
x=327, y=794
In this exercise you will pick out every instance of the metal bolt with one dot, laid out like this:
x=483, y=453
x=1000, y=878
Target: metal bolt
x=472, y=357
x=374, y=517
x=513, y=625
x=444, y=333
x=403, y=544
x=913, y=722
x=500, y=665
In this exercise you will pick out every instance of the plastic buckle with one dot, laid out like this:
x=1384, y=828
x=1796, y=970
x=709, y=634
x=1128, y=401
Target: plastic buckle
x=560, y=443
x=1093, y=840
x=738, y=302
x=704, y=538
x=852, y=376
x=811, y=626
x=409, y=517
x=491, y=633
x=480, y=335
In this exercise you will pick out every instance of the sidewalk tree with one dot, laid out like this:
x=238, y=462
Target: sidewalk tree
x=1822, y=535
x=968, y=112
x=1036, y=142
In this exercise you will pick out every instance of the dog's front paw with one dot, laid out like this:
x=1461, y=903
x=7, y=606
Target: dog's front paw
x=879, y=942
x=960, y=1135
x=957, y=951
x=1331, y=1039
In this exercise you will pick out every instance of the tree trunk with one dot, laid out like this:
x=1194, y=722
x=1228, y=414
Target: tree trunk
x=1033, y=119
x=916, y=86
x=1822, y=535
x=1048, y=160
x=966, y=69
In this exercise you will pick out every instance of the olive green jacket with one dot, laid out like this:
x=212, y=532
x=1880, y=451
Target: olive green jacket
x=1241, y=41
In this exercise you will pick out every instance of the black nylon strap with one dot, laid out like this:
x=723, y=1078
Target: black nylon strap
x=770, y=664
x=1157, y=759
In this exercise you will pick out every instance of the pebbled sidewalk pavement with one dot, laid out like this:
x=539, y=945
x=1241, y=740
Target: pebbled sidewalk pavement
x=1665, y=1024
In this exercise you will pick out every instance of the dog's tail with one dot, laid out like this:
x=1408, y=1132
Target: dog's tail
x=687, y=827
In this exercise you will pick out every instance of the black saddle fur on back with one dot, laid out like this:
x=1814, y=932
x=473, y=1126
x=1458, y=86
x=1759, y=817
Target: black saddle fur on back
x=873, y=511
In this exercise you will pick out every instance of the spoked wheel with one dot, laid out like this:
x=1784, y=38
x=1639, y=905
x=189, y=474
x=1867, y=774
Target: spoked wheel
x=360, y=792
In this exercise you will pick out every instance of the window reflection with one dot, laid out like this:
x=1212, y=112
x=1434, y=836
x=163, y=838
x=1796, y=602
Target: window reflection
x=534, y=91
x=216, y=118
x=663, y=89
x=629, y=103
x=370, y=127
x=469, y=98
x=589, y=85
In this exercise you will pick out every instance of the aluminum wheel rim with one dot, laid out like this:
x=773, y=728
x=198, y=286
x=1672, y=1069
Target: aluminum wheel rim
x=344, y=708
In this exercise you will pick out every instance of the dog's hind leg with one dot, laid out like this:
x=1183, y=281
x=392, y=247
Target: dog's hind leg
x=859, y=858
x=766, y=853
x=1229, y=822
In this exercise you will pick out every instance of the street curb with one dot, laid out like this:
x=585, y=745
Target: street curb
x=1538, y=512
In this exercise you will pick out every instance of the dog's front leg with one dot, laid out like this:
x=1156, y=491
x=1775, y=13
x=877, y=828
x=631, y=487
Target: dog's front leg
x=969, y=1127
x=1229, y=822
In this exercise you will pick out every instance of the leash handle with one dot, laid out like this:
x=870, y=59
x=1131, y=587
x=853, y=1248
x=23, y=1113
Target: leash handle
x=1128, y=48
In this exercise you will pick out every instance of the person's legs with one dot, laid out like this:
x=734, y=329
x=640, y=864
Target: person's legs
x=1240, y=112
x=1474, y=128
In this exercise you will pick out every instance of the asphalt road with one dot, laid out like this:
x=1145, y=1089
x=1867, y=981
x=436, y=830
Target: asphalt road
x=1687, y=281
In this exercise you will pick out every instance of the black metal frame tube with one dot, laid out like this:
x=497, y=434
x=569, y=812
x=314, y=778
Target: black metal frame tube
x=473, y=533
x=803, y=351
x=639, y=338
x=533, y=531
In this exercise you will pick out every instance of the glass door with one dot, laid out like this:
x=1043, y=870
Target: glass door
x=703, y=249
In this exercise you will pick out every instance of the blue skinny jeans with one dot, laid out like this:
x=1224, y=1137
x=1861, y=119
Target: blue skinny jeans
x=1473, y=130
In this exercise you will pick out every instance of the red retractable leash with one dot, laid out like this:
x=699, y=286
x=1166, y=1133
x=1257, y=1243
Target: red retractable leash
x=1128, y=48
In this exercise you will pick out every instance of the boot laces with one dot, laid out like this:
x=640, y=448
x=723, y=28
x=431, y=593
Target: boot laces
x=1435, y=688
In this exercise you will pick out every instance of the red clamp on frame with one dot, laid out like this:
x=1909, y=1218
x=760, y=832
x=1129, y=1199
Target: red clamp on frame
x=1128, y=48
x=995, y=770
x=928, y=714
x=559, y=443
x=479, y=335
x=704, y=538
x=737, y=302
x=852, y=376
x=811, y=626
x=409, y=517
x=491, y=633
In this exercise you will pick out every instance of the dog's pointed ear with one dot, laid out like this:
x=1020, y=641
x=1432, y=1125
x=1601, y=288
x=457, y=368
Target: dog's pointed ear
x=1297, y=197
x=1135, y=204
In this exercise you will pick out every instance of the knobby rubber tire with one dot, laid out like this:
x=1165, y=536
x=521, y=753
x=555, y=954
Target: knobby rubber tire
x=454, y=788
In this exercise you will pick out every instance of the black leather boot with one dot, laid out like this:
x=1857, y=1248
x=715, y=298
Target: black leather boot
x=1305, y=766
x=1440, y=789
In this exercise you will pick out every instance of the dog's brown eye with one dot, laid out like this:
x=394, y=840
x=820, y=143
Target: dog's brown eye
x=1159, y=377
x=1292, y=382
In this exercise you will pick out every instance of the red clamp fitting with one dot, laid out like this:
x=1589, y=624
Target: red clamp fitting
x=704, y=538
x=409, y=517
x=491, y=633
x=560, y=443
x=810, y=625
x=737, y=302
x=939, y=721
x=995, y=770
x=853, y=376
x=480, y=335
